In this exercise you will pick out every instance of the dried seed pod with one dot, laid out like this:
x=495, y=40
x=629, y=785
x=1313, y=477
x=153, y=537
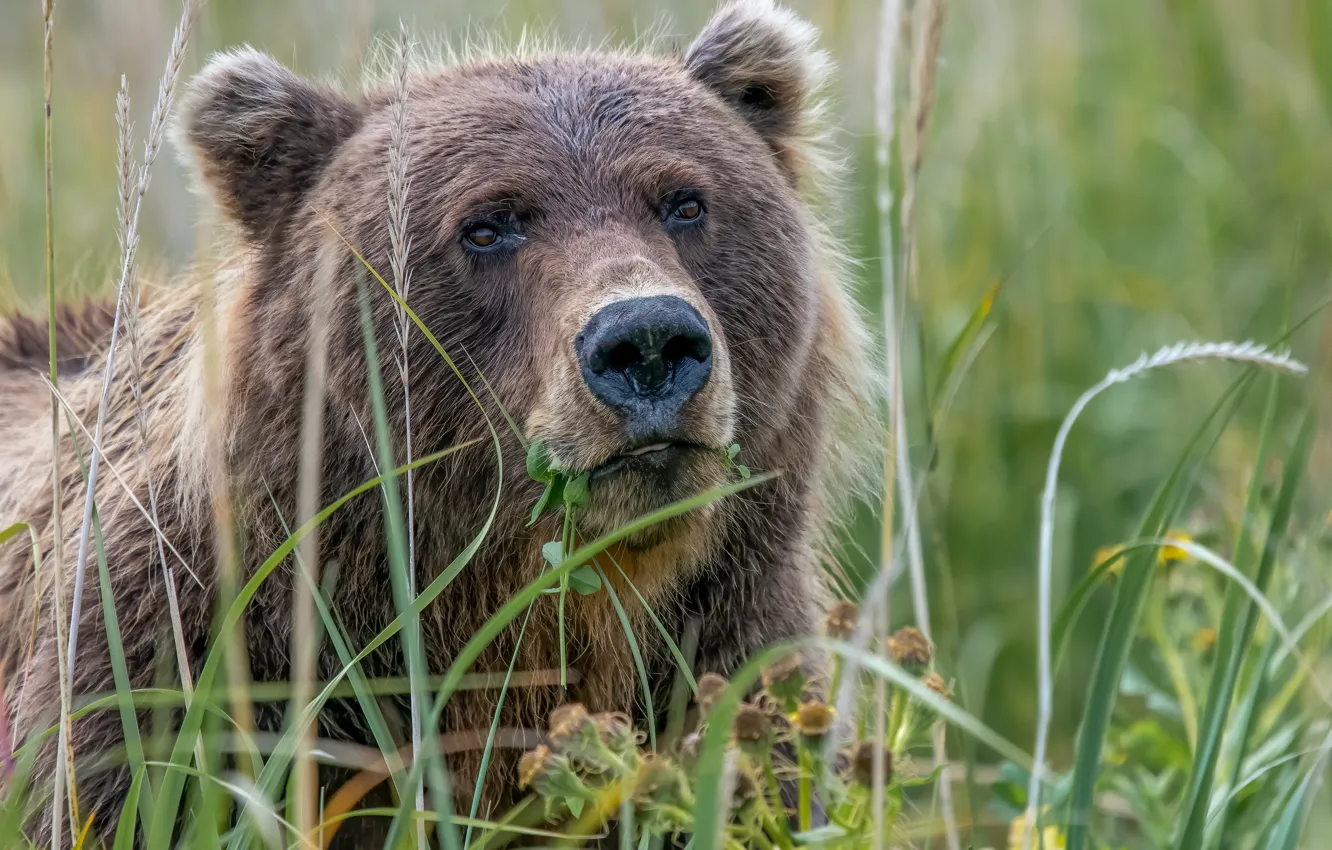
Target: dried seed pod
x=861, y=761
x=690, y=746
x=813, y=719
x=744, y=790
x=658, y=782
x=752, y=725
x=574, y=733
x=910, y=650
x=568, y=720
x=785, y=677
x=616, y=730
x=710, y=688
x=840, y=623
x=936, y=683
x=532, y=766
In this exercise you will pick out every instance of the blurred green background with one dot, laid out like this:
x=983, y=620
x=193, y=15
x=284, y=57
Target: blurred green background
x=1136, y=172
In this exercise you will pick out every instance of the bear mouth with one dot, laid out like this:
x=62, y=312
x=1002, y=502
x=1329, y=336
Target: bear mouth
x=658, y=459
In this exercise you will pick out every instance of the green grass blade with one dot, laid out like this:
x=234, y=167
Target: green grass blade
x=168, y=801
x=1286, y=834
x=129, y=720
x=520, y=601
x=286, y=747
x=1229, y=652
x=361, y=687
x=680, y=663
x=494, y=729
x=639, y=666
x=956, y=354
x=1236, y=629
x=399, y=569
x=128, y=812
x=1130, y=594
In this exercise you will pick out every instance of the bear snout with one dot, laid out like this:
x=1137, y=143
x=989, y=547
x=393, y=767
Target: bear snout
x=645, y=358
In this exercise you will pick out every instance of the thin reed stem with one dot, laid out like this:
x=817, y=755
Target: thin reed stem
x=64, y=754
x=305, y=642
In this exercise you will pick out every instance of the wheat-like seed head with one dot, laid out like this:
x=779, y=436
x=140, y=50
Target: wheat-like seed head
x=923, y=75
x=398, y=182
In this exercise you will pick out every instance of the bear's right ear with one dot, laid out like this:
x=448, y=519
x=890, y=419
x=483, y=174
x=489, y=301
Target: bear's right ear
x=261, y=136
x=765, y=62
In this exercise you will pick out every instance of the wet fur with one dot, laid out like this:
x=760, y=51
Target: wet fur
x=283, y=158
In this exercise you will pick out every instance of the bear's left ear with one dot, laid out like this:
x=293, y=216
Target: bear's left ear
x=765, y=62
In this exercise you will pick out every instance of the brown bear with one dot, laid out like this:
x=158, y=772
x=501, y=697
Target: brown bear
x=623, y=250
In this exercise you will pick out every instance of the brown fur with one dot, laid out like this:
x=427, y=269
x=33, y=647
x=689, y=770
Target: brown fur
x=584, y=145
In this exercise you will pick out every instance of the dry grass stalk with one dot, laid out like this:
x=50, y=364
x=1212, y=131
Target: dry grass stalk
x=156, y=132
x=305, y=634
x=885, y=97
x=925, y=55
x=132, y=309
x=399, y=185
x=64, y=753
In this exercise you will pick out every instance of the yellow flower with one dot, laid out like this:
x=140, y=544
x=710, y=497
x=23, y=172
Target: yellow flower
x=1205, y=639
x=1170, y=553
x=1104, y=554
x=1051, y=837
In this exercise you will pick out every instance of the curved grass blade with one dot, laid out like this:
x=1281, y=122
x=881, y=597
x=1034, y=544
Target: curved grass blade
x=361, y=688
x=494, y=729
x=1130, y=593
x=550, y=578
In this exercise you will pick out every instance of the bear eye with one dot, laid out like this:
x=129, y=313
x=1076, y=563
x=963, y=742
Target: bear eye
x=683, y=210
x=481, y=237
x=688, y=210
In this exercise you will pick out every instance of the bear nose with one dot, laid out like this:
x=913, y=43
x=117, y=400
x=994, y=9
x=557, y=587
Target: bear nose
x=646, y=357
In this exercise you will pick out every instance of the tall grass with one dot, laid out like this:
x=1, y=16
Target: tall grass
x=1239, y=732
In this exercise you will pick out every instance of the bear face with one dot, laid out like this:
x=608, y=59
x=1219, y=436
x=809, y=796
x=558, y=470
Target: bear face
x=613, y=246
x=616, y=243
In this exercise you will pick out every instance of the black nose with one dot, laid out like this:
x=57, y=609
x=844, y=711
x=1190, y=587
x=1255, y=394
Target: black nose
x=646, y=357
